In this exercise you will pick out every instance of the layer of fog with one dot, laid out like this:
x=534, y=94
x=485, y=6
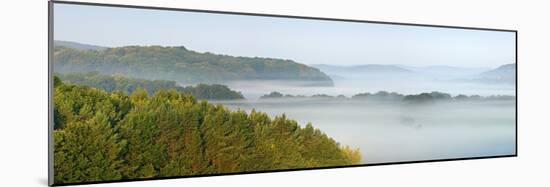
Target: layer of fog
x=372, y=78
x=351, y=86
x=393, y=131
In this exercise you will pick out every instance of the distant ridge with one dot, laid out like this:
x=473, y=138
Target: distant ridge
x=372, y=68
x=181, y=65
x=445, y=68
x=76, y=45
x=503, y=74
x=446, y=72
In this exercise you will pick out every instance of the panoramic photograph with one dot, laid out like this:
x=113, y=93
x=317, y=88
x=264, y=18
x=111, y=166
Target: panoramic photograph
x=145, y=94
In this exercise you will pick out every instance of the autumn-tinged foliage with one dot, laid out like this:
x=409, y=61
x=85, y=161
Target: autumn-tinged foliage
x=102, y=136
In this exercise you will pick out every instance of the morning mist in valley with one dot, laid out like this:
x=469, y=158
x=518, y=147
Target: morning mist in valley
x=365, y=106
x=146, y=94
x=390, y=129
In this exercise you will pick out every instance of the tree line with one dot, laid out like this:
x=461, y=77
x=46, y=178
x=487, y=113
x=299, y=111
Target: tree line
x=103, y=136
x=393, y=96
x=129, y=85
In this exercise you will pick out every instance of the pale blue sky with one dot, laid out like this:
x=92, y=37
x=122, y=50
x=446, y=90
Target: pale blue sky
x=305, y=41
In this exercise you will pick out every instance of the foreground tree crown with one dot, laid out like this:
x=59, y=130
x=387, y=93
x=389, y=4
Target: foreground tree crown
x=102, y=136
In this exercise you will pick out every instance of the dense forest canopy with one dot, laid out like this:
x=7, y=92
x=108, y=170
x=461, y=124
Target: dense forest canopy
x=102, y=136
x=183, y=65
x=129, y=85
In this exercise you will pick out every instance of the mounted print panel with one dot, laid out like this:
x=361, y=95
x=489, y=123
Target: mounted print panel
x=142, y=93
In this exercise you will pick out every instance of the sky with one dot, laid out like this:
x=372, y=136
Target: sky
x=304, y=41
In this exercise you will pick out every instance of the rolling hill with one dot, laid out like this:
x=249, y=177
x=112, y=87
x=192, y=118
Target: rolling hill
x=76, y=45
x=183, y=65
x=503, y=74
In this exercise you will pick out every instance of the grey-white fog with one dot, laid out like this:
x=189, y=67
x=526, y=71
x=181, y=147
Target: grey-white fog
x=371, y=78
x=394, y=131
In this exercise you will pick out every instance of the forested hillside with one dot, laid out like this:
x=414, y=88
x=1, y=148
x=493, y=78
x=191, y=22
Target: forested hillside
x=129, y=85
x=101, y=136
x=183, y=65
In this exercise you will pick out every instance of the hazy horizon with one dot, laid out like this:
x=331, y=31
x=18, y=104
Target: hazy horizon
x=304, y=41
x=313, y=64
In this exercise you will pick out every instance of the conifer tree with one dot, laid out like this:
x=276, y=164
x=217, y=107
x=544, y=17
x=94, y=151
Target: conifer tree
x=88, y=151
x=109, y=136
x=144, y=156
